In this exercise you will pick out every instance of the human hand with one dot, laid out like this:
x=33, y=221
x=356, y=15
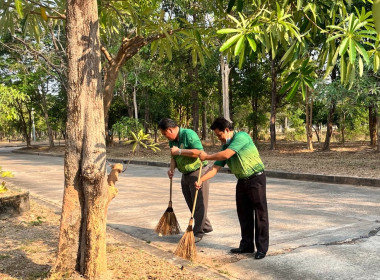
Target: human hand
x=170, y=173
x=198, y=185
x=174, y=151
x=202, y=155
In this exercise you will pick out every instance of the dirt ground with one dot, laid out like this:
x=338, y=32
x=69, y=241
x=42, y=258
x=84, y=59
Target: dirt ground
x=28, y=242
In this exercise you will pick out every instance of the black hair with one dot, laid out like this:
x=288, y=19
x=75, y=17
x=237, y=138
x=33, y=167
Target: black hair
x=166, y=123
x=221, y=124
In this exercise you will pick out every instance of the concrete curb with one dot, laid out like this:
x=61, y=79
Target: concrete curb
x=369, y=182
x=333, y=179
x=130, y=241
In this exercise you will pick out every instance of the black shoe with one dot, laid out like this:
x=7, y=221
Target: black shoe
x=197, y=239
x=241, y=250
x=259, y=255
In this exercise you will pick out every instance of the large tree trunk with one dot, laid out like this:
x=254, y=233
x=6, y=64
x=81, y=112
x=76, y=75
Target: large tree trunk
x=343, y=127
x=372, y=124
x=378, y=128
x=193, y=75
x=272, y=126
x=42, y=95
x=146, y=111
x=24, y=124
x=326, y=145
x=225, y=71
x=135, y=109
x=309, y=120
x=125, y=96
x=82, y=236
x=204, y=120
x=254, y=104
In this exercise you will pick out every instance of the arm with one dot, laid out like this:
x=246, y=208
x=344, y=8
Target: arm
x=175, y=151
x=222, y=155
x=208, y=175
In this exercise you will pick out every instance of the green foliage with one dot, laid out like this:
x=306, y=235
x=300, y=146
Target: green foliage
x=9, y=96
x=300, y=74
x=297, y=131
x=144, y=140
x=331, y=33
x=37, y=222
x=4, y=174
x=376, y=14
x=126, y=126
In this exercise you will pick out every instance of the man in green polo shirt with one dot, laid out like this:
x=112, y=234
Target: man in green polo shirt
x=185, y=147
x=242, y=157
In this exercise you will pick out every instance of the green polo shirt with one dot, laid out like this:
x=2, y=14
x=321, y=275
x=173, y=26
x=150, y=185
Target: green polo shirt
x=247, y=160
x=187, y=139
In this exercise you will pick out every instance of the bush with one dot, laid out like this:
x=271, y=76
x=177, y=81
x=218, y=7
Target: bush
x=298, y=134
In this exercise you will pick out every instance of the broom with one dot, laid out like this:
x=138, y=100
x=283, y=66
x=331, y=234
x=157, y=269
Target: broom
x=186, y=247
x=168, y=224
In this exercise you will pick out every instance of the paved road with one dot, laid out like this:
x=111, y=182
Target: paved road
x=317, y=230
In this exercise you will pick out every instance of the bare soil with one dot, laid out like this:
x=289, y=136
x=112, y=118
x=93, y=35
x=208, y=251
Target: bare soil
x=28, y=242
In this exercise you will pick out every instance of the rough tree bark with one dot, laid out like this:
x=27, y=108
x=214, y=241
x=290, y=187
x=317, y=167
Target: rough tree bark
x=378, y=128
x=272, y=125
x=326, y=145
x=225, y=71
x=372, y=123
x=309, y=119
x=255, y=130
x=343, y=127
x=25, y=124
x=42, y=95
x=82, y=237
x=204, y=120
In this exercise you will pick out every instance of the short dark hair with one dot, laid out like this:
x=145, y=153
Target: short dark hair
x=221, y=124
x=166, y=123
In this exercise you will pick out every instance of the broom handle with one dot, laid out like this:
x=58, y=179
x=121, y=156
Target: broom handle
x=171, y=180
x=171, y=184
x=196, y=192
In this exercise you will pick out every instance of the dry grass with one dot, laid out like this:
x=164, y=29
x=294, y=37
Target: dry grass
x=28, y=248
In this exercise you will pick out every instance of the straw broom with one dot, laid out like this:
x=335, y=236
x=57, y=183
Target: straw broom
x=168, y=224
x=186, y=247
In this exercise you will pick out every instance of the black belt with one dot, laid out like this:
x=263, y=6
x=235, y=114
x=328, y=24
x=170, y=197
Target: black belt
x=253, y=175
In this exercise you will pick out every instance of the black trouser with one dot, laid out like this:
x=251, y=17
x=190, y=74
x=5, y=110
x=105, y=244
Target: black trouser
x=201, y=224
x=251, y=204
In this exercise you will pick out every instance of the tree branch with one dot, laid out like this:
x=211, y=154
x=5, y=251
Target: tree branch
x=106, y=54
x=314, y=23
x=59, y=71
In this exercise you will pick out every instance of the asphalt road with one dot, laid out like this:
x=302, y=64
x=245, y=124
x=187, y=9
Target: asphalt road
x=317, y=230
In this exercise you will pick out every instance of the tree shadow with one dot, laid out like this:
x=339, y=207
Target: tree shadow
x=16, y=264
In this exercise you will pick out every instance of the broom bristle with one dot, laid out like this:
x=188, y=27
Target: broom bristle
x=168, y=224
x=186, y=247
